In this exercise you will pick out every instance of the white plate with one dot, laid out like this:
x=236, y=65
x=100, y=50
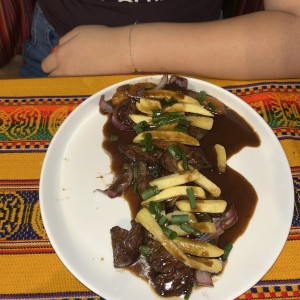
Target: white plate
x=78, y=221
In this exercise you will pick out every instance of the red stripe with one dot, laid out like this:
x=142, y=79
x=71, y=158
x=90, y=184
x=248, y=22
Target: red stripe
x=27, y=251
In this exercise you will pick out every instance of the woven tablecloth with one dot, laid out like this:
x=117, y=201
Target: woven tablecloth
x=31, y=110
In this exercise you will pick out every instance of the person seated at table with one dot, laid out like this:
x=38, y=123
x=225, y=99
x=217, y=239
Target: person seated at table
x=163, y=36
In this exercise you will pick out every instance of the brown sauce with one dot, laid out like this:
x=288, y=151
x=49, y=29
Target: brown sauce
x=234, y=133
x=230, y=130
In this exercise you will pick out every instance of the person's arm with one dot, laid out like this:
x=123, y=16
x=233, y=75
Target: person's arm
x=259, y=45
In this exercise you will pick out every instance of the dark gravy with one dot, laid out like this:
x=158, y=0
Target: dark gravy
x=230, y=130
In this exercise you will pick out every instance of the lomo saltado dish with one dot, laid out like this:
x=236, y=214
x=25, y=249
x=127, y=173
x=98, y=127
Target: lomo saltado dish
x=169, y=148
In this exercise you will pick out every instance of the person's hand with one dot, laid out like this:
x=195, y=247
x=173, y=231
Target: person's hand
x=91, y=50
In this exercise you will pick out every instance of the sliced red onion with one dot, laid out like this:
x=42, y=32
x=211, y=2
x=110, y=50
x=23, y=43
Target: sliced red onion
x=228, y=219
x=211, y=236
x=180, y=81
x=203, y=278
x=119, y=185
x=162, y=83
x=115, y=120
x=104, y=106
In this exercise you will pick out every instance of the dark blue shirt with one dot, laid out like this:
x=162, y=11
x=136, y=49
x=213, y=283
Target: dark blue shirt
x=64, y=15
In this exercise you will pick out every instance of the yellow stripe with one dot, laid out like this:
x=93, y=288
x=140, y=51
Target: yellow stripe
x=67, y=86
x=287, y=265
x=58, y=86
x=21, y=166
x=291, y=149
x=38, y=273
x=30, y=276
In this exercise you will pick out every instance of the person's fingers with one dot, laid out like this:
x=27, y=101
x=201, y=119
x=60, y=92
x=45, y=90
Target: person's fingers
x=50, y=63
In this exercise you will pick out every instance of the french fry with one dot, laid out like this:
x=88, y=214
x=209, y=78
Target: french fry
x=143, y=109
x=204, y=182
x=205, y=206
x=169, y=136
x=150, y=104
x=198, y=248
x=190, y=108
x=166, y=94
x=208, y=185
x=211, y=265
x=118, y=97
x=201, y=122
x=221, y=157
x=136, y=118
x=206, y=227
x=174, y=179
x=175, y=191
x=167, y=127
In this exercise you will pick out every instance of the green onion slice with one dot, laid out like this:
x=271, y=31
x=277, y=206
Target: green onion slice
x=144, y=250
x=179, y=219
x=191, y=196
x=152, y=191
x=114, y=138
x=148, y=146
x=189, y=291
x=162, y=220
x=171, y=234
x=211, y=105
x=201, y=96
x=187, y=228
x=168, y=118
x=185, y=161
x=182, y=126
x=227, y=248
x=168, y=102
x=140, y=127
x=154, y=208
x=175, y=152
x=135, y=176
x=156, y=113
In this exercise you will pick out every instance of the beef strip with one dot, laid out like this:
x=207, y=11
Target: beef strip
x=126, y=244
x=197, y=132
x=175, y=282
x=144, y=177
x=135, y=152
x=197, y=159
x=169, y=276
x=195, y=155
x=160, y=259
x=124, y=109
x=169, y=163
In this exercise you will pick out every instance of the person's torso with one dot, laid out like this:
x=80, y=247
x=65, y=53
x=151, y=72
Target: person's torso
x=64, y=15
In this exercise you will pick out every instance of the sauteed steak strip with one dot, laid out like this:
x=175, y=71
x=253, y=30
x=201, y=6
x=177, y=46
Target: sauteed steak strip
x=134, y=152
x=167, y=275
x=126, y=244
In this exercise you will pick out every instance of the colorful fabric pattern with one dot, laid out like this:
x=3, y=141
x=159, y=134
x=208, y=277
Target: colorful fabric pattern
x=31, y=111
